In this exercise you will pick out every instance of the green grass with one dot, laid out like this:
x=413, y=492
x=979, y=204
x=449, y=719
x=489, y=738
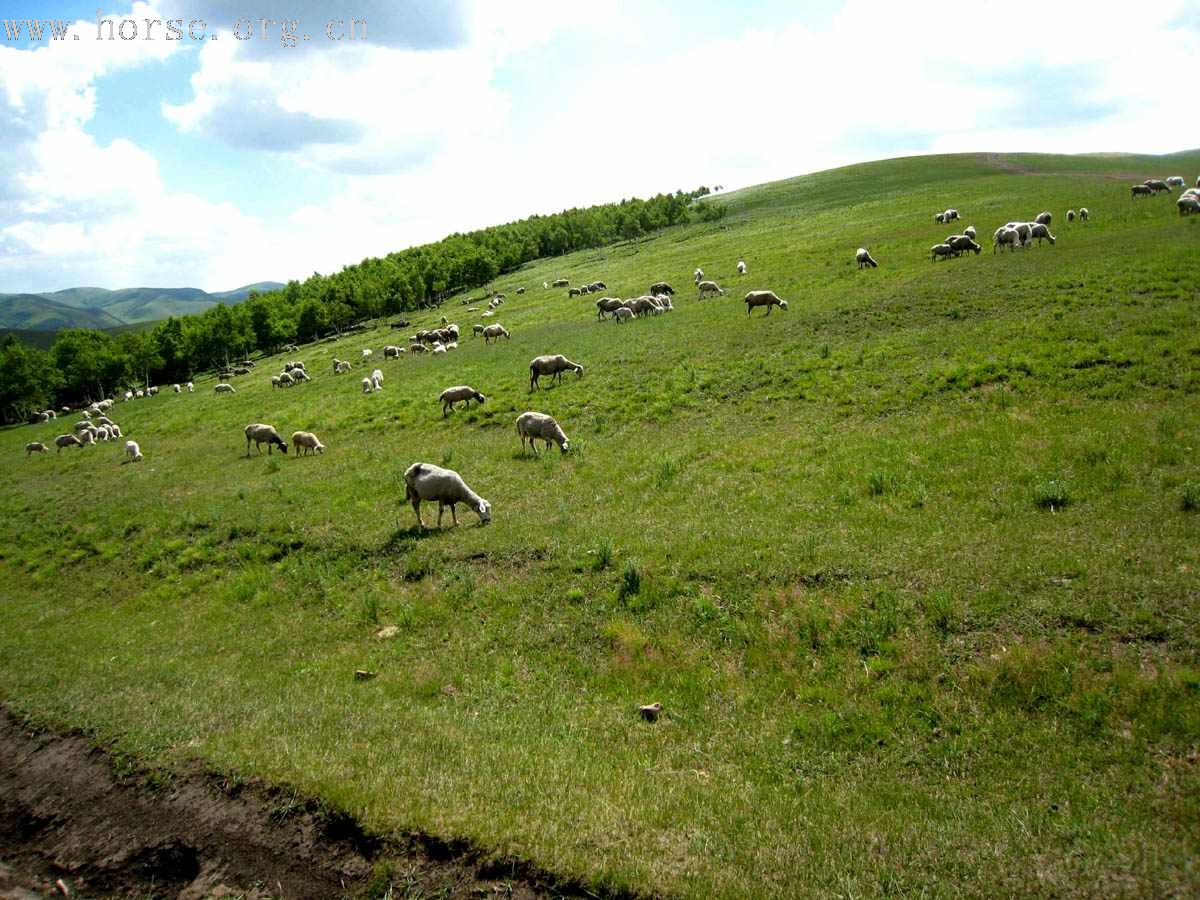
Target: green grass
x=823, y=539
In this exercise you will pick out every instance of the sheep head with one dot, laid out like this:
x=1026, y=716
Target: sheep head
x=485, y=511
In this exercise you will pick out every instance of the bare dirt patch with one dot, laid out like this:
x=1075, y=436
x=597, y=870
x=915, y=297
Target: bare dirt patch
x=67, y=813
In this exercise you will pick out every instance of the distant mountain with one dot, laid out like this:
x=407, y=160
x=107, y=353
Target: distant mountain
x=92, y=307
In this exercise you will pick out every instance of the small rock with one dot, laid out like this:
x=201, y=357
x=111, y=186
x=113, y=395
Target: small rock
x=364, y=675
x=387, y=631
x=650, y=712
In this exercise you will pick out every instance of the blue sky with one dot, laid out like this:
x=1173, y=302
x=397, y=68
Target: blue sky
x=222, y=162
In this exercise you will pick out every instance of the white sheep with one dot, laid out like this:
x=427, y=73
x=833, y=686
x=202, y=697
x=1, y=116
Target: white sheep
x=461, y=393
x=224, y=388
x=191, y=387
x=307, y=441
x=133, y=452
x=1005, y=236
x=969, y=231
x=342, y=367
x=1176, y=181
x=863, y=257
x=425, y=482
x=1041, y=231
x=709, y=288
x=368, y=386
x=366, y=353
x=553, y=365
x=66, y=440
x=177, y=389
x=1070, y=215
x=276, y=381
x=377, y=379
x=741, y=267
x=35, y=447
x=698, y=275
x=495, y=332
x=116, y=430
x=536, y=426
x=438, y=347
x=392, y=351
x=764, y=298
x=129, y=395
x=1083, y=214
x=1043, y=218
x=622, y=314
x=263, y=434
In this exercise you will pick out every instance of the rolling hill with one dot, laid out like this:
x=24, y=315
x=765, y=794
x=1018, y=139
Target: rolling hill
x=90, y=307
x=911, y=566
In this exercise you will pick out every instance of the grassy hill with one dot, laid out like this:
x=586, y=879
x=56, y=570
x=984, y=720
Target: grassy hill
x=912, y=566
x=92, y=307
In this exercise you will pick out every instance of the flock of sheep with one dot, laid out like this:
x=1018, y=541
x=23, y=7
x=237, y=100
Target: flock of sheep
x=94, y=428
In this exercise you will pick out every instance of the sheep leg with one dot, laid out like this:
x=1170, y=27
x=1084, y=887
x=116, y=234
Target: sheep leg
x=416, y=505
x=453, y=515
x=441, y=507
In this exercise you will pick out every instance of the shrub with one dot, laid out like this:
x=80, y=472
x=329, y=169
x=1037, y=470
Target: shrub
x=603, y=555
x=1189, y=500
x=631, y=581
x=1051, y=495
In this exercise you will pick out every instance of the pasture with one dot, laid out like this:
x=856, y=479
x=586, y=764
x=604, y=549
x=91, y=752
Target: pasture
x=911, y=566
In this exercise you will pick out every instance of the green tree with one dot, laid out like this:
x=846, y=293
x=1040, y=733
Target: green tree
x=28, y=379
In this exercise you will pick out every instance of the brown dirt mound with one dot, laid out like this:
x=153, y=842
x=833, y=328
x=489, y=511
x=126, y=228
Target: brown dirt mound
x=65, y=813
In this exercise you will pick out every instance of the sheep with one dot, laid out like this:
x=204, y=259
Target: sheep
x=103, y=433
x=462, y=393
x=285, y=379
x=575, y=292
x=1083, y=214
x=606, y=305
x=961, y=243
x=425, y=482
x=969, y=231
x=66, y=440
x=38, y=418
x=342, y=367
x=1040, y=231
x=948, y=216
x=535, y=426
x=941, y=251
x=176, y=389
x=741, y=267
x=764, y=298
x=35, y=447
x=476, y=330
x=661, y=287
x=1191, y=192
x=1140, y=190
x=486, y=314
x=116, y=430
x=368, y=386
x=698, y=275
x=366, y=354
x=153, y=392
x=417, y=348
x=1156, y=184
x=1188, y=206
x=308, y=441
x=622, y=314
x=263, y=434
x=453, y=345
x=191, y=388
x=559, y=283
x=439, y=348
x=520, y=291
x=708, y=288
x=275, y=381
x=1043, y=218
x=87, y=436
x=1024, y=231
x=553, y=365
x=133, y=452
x=495, y=332
x=1070, y=215
x=128, y=395
x=81, y=426
x=377, y=379
x=392, y=351
x=1005, y=236
x=599, y=286
x=223, y=388
x=664, y=302
x=1176, y=181
x=863, y=257
x=240, y=370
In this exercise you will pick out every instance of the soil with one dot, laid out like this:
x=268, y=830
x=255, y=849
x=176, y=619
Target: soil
x=69, y=814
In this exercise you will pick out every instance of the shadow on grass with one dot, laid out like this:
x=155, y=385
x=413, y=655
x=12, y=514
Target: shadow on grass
x=403, y=539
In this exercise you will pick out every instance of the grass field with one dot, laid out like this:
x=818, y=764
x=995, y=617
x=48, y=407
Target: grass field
x=912, y=566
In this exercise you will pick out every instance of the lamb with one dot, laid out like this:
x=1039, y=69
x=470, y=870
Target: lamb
x=553, y=365
x=223, y=388
x=495, y=332
x=366, y=353
x=1070, y=215
x=177, y=389
x=1040, y=231
x=1176, y=181
x=535, y=426
x=520, y=291
x=961, y=243
x=240, y=370
x=425, y=482
x=863, y=257
x=139, y=393
x=764, y=298
x=969, y=231
x=377, y=379
x=1083, y=214
x=275, y=382
x=462, y=393
x=1140, y=190
x=1043, y=218
x=133, y=452
x=263, y=434
x=35, y=447
x=708, y=288
x=664, y=302
x=299, y=375
x=66, y=440
x=941, y=251
x=308, y=441
x=622, y=314
x=153, y=392
x=191, y=388
x=368, y=386
x=741, y=267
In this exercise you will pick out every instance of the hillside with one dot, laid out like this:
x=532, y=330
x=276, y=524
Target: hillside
x=91, y=307
x=911, y=566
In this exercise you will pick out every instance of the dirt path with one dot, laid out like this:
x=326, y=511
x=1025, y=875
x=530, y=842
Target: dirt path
x=65, y=814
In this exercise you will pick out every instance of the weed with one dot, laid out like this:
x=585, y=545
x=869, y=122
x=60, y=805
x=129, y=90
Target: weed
x=1052, y=495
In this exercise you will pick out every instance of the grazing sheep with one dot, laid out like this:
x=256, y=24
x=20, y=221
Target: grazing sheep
x=366, y=353
x=1156, y=184
x=969, y=231
x=1188, y=206
x=87, y=436
x=1083, y=214
x=863, y=257
x=495, y=332
x=153, y=392
x=128, y=395
x=263, y=434
x=240, y=370
x=133, y=452
x=709, y=288
x=307, y=441
x=1140, y=190
x=1024, y=231
x=698, y=275
x=453, y=345
x=116, y=430
x=622, y=314
x=285, y=379
x=476, y=330
x=1191, y=192
x=553, y=365
x=177, y=389
x=368, y=386
x=741, y=267
x=1043, y=218
x=462, y=393
x=1176, y=181
x=139, y=393
x=661, y=287
x=425, y=482
x=66, y=440
x=559, y=282
x=439, y=348
x=1070, y=215
x=275, y=381
x=520, y=291
x=575, y=292
x=417, y=348
x=191, y=387
x=342, y=367
x=1041, y=232
x=36, y=447
x=392, y=351
x=536, y=426
x=223, y=388
x=961, y=243
x=1005, y=236
x=606, y=305
x=764, y=298
x=377, y=379
x=941, y=251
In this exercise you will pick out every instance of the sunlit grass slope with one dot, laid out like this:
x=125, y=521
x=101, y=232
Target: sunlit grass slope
x=912, y=566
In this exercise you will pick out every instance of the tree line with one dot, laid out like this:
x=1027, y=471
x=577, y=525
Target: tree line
x=83, y=364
